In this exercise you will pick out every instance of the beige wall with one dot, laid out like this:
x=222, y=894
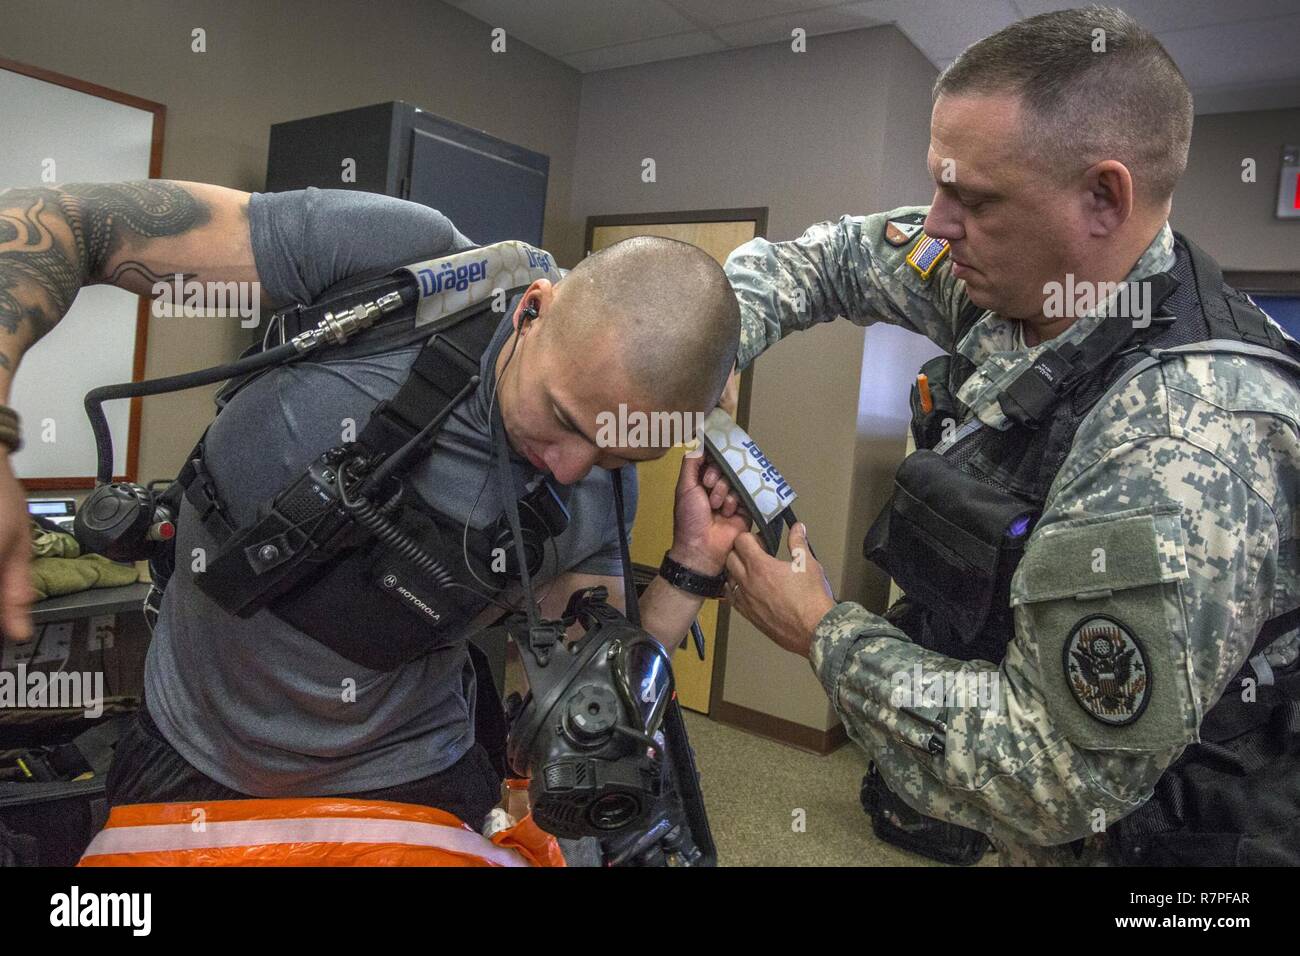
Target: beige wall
x=839, y=129
x=1234, y=221
x=269, y=62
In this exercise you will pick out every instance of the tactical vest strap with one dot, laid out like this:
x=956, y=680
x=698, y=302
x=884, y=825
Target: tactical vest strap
x=1029, y=399
x=1230, y=722
x=1231, y=799
x=966, y=319
x=1285, y=357
x=1229, y=314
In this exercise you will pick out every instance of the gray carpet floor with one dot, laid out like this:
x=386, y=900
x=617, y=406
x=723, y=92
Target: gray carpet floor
x=753, y=786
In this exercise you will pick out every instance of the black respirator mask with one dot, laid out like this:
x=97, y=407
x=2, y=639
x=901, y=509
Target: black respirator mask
x=585, y=735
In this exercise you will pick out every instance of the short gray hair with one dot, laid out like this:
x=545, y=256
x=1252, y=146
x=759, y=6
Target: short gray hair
x=1129, y=103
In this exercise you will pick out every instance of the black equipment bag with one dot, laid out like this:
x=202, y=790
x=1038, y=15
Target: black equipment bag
x=1234, y=798
x=896, y=823
x=53, y=771
x=962, y=572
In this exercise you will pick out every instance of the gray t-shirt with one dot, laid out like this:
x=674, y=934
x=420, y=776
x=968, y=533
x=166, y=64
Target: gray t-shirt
x=254, y=703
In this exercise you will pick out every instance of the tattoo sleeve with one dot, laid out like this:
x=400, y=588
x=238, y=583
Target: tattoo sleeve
x=54, y=241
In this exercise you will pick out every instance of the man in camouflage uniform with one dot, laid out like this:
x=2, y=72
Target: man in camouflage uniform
x=1184, y=476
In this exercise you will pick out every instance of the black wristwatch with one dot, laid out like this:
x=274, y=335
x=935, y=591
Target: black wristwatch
x=692, y=582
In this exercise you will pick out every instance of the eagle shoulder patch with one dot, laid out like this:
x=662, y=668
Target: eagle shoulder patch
x=1107, y=670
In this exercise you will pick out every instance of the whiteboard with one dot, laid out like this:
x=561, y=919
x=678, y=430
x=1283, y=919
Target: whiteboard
x=88, y=138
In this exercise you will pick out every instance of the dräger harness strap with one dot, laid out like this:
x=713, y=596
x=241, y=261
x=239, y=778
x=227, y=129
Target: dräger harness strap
x=440, y=372
x=452, y=299
x=450, y=357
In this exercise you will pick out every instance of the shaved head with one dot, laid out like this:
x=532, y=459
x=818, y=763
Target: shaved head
x=645, y=327
x=661, y=310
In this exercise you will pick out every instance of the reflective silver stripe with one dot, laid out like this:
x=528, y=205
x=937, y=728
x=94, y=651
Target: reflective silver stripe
x=229, y=833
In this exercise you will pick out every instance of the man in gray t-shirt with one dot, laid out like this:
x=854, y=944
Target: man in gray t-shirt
x=253, y=706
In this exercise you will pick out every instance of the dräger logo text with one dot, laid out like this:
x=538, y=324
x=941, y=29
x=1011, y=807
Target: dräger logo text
x=769, y=470
x=446, y=278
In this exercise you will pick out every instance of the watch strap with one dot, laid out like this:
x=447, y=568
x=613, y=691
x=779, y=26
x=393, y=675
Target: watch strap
x=692, y=582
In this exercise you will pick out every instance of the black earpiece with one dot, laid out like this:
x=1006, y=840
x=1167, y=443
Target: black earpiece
x=530, y=311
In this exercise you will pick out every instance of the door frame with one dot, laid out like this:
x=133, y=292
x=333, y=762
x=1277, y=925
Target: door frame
x=759, y=216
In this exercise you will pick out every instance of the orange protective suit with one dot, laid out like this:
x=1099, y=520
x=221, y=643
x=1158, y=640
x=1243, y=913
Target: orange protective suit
x=309, y=831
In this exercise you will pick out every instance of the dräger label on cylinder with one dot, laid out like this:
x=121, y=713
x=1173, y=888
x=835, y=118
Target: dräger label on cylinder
x=770, y=492
x=773, y=477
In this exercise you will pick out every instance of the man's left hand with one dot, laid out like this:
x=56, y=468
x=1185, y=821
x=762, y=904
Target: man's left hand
x=705, y=524
x=783, y=599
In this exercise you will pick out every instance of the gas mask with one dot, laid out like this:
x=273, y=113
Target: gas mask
x=587, y=733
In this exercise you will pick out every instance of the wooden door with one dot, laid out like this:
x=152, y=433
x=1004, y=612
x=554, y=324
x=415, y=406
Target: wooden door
x=717, y=232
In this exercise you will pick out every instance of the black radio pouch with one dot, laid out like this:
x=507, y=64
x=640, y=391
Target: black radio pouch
x=896, y=823
x=372, y=605
x=950, y=541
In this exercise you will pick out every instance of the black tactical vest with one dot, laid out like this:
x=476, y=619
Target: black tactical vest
x=956, y=525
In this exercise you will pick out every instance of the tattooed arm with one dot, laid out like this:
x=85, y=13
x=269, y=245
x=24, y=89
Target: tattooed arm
x=53, y=241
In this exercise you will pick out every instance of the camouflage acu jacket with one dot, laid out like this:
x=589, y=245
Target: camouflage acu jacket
x=1185, y=478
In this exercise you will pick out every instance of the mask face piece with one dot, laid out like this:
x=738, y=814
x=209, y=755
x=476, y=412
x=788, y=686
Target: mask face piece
x=642, y=669
x=585, y=734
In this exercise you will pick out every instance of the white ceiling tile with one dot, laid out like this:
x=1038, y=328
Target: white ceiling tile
x=645, y=51
x=777, y=29
x=1233, y=51
x=563, y=26
x=1161, y=15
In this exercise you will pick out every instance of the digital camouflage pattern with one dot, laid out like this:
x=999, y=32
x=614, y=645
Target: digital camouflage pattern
x=1184, y=478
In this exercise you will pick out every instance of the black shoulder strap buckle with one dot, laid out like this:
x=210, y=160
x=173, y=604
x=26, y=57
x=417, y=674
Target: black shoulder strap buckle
x=1034, y=392
x=1271, y=630
x=198, y=488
